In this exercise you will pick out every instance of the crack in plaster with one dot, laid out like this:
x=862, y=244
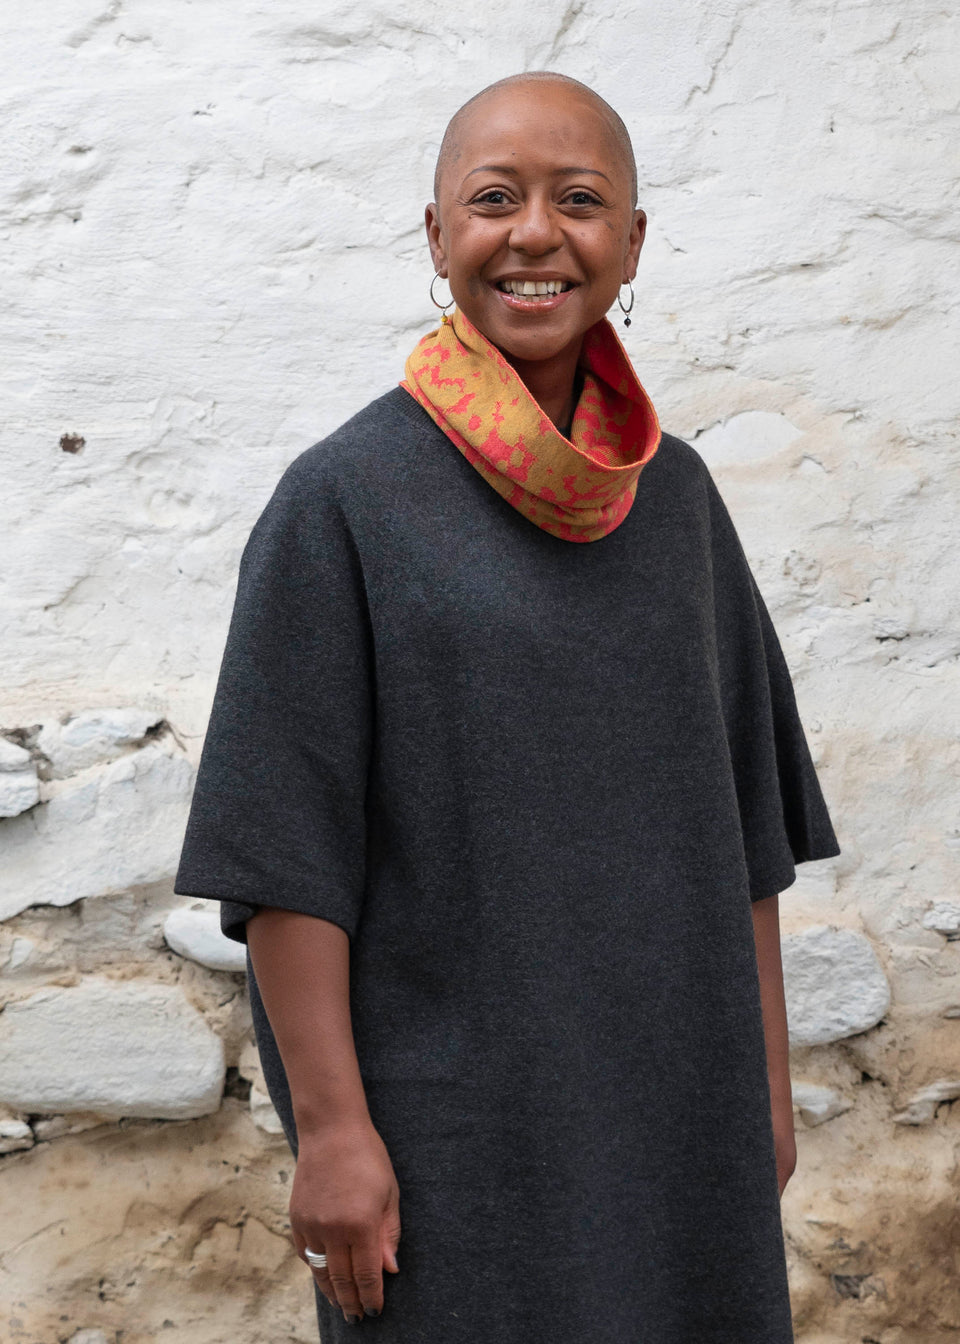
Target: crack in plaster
x=573, y=12
x=89, y=29
x=705, y=89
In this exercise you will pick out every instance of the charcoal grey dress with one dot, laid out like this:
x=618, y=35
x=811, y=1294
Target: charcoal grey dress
x=539, y=784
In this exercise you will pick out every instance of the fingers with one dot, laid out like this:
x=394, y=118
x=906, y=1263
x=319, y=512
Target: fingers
x=340, y=1271
x=322, y=1280
x=368, y=1276
x=321, y=1276
x=358, y=1248
x=352, y=1280
x=390, y=1239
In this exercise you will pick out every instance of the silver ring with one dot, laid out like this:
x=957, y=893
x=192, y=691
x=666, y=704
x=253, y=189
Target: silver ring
x=314, y=1259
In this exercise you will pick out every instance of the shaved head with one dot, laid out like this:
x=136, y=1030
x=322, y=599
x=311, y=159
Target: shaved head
x=450, y=145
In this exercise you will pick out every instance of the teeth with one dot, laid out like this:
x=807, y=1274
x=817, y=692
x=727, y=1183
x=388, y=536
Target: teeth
x=533, y=287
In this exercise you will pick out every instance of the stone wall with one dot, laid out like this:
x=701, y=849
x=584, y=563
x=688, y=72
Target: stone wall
x=213, y=254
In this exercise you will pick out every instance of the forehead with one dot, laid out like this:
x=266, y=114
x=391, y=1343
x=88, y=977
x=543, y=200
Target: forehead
x=537, y=124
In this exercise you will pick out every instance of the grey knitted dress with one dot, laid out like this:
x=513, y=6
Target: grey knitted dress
x=539, y=784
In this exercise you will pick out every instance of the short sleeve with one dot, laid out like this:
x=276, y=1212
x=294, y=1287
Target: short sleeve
x=783, y=814
x=277, y=816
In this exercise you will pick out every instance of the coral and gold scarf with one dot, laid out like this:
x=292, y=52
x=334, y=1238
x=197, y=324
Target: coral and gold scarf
x=579, y=488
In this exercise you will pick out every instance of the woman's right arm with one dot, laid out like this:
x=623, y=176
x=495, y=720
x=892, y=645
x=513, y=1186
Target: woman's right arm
x=345, y=1198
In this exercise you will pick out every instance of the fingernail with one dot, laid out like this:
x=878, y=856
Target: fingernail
x=372, y=1311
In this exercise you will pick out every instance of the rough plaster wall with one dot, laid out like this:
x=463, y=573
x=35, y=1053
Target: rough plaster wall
x=212, y=255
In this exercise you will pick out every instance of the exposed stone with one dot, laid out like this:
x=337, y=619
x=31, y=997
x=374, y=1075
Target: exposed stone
x=154, y=1233
x=944, y=917
x=58, y=1126
x=92, y=737
x=89, y=1337
x=19, y=954
x=834, y=985
x=118, y=1049
x=817, y=1104
x=19, y=784
x=194, y=931
x=922, y=1106
x=14, y=1135
x=105, y=830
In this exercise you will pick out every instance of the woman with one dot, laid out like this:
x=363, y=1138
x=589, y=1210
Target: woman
x=503, y=778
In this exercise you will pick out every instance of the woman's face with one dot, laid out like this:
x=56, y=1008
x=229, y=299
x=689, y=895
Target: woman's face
x=537, y=190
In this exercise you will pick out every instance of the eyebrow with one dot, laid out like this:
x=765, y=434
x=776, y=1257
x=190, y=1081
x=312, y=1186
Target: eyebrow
x=559, y=172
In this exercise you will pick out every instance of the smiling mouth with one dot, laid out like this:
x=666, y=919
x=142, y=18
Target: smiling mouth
x=533, y=289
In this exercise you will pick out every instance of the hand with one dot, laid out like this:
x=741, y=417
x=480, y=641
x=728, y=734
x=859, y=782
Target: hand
x=345, y=1203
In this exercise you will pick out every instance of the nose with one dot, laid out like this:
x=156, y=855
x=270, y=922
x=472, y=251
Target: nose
x=535, y=228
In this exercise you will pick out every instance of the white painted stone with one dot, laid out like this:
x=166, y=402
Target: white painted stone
x=194, y=932
x=90, y=1336
x=817, y=1104
x=93, y=737
x=249, y=1065
x=262, y=1112
x=13, y=757
x=943, y=917
x=834, y=985
x=921, y=1109
x=105, y=830
x=15, y=1135
x=19, y=784
x=127, y=1049
x=746, y=437
x=18, y=792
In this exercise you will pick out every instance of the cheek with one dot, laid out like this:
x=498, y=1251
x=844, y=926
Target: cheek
x=472, y=248
x=603, y=248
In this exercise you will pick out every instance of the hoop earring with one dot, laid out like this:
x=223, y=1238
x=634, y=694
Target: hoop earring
x=442, y=306
x=626, y=320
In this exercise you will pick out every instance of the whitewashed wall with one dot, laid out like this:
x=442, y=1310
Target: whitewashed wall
x=213, y=253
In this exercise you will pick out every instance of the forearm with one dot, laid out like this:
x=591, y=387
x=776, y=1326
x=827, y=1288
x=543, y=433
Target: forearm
x=302, y=966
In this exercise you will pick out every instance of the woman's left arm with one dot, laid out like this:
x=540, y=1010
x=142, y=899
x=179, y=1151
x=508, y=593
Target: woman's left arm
x=766, y=934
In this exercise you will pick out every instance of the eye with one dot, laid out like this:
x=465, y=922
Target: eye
x=493, y=196
x=580, y=196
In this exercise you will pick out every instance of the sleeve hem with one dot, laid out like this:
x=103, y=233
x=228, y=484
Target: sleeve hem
x=777, y=879
x=233, y=921
x=772, y=883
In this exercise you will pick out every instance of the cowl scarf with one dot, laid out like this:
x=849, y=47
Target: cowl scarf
x=580, y=488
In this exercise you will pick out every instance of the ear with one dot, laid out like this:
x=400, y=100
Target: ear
x=638, y=231
x=438, y=253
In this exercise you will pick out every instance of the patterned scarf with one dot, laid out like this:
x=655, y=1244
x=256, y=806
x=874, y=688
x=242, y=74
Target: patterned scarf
x=580, y=488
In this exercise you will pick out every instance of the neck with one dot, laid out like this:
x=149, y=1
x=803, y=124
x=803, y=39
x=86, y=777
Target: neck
x=551, y=381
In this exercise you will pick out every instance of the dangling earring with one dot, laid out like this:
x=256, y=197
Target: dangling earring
x=626, y=320
x=442, y=306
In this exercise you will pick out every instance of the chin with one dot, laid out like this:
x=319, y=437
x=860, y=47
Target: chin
x=530, y=345
x=533, y=350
